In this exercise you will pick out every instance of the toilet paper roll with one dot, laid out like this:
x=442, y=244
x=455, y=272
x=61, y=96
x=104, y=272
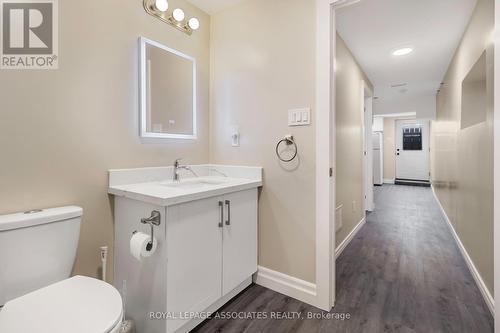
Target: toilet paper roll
x=140, y=247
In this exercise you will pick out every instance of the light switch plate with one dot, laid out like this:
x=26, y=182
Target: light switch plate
x=299, y=117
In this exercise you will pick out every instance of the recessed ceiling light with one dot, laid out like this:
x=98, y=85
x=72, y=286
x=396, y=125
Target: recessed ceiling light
x=403, y=51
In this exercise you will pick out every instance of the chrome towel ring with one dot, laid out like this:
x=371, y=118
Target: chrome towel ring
x=288, y=140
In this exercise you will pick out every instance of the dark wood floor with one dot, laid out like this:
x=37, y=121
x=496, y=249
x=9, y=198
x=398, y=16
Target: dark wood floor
x=402, y=273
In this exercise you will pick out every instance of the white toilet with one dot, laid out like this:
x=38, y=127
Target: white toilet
x=37, y=251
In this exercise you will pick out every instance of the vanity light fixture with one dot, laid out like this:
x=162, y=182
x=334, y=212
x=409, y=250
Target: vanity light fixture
x=176, y=18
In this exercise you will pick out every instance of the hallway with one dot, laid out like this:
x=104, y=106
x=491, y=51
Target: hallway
x=405, y=271
x=402, y=273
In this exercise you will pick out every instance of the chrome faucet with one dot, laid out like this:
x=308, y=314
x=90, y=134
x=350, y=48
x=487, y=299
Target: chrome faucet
x=177, y=166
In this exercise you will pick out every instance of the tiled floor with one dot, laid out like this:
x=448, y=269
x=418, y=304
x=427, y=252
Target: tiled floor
x=402, y=273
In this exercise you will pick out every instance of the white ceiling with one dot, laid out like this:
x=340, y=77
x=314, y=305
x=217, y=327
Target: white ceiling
x=214, y=6
x=372, y=29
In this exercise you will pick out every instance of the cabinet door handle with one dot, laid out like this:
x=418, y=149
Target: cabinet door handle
x=221, y=208
x=228, y=203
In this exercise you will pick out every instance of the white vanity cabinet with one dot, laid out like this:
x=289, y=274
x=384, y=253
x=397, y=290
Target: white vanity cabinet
x=211, y=249
x=206, y=242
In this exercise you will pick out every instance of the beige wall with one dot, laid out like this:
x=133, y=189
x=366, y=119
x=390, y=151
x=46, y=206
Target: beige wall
x=61, y=130
x=259, y=72
x=349, y=136
x=462, y=168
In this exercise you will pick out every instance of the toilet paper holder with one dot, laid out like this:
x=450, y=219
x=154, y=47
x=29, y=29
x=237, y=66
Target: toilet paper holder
x=153, y=220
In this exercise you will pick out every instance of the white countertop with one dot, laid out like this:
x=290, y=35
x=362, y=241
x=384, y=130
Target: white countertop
x=155, y=185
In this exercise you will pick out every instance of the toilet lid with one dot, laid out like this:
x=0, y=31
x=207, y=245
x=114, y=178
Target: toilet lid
x=78, y=305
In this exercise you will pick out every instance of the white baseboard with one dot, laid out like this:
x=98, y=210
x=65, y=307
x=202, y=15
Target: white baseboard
x=475, y=273
x=285, y=284
x=389, y=181
x=349, y=238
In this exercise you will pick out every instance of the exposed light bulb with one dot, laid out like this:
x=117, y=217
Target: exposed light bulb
x=178, y=15
x=161, y=5
x=194, y=23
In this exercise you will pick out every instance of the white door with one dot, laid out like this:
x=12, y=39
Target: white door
x=194, y=260
x=239, y=238
x=412, y=149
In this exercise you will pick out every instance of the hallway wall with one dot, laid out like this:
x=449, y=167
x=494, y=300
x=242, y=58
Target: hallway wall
x=462, y=159
x=349, y=136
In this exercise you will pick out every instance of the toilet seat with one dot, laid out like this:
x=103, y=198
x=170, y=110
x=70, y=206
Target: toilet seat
x=78, y=305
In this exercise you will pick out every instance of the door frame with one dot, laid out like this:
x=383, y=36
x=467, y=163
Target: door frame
x=325, y=150
x=496, y=165
x=325, y=154
x=367, y=116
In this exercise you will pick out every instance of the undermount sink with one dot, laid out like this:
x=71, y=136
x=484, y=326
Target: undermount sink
x=193, y=183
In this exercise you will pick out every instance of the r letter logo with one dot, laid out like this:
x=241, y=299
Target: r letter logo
x=29, y=34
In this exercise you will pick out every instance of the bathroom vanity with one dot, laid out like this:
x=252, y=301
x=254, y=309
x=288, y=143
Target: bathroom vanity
x=206, y=241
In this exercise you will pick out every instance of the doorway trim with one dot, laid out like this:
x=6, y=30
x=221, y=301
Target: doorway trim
x=367, y=120
x=325, y=154
x=496, y=165
x=325, y=150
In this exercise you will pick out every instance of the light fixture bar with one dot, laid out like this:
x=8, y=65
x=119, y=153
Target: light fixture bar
x=167, y=17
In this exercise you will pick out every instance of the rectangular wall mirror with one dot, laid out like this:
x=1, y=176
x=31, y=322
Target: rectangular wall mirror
x=167, y=92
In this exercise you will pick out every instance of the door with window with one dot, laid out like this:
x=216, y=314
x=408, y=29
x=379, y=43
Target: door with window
x=412, y=150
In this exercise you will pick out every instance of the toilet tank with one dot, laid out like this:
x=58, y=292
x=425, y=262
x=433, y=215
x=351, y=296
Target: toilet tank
x=37, y=248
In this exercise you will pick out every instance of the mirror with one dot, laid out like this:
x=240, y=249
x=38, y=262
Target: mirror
x=167, y=92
